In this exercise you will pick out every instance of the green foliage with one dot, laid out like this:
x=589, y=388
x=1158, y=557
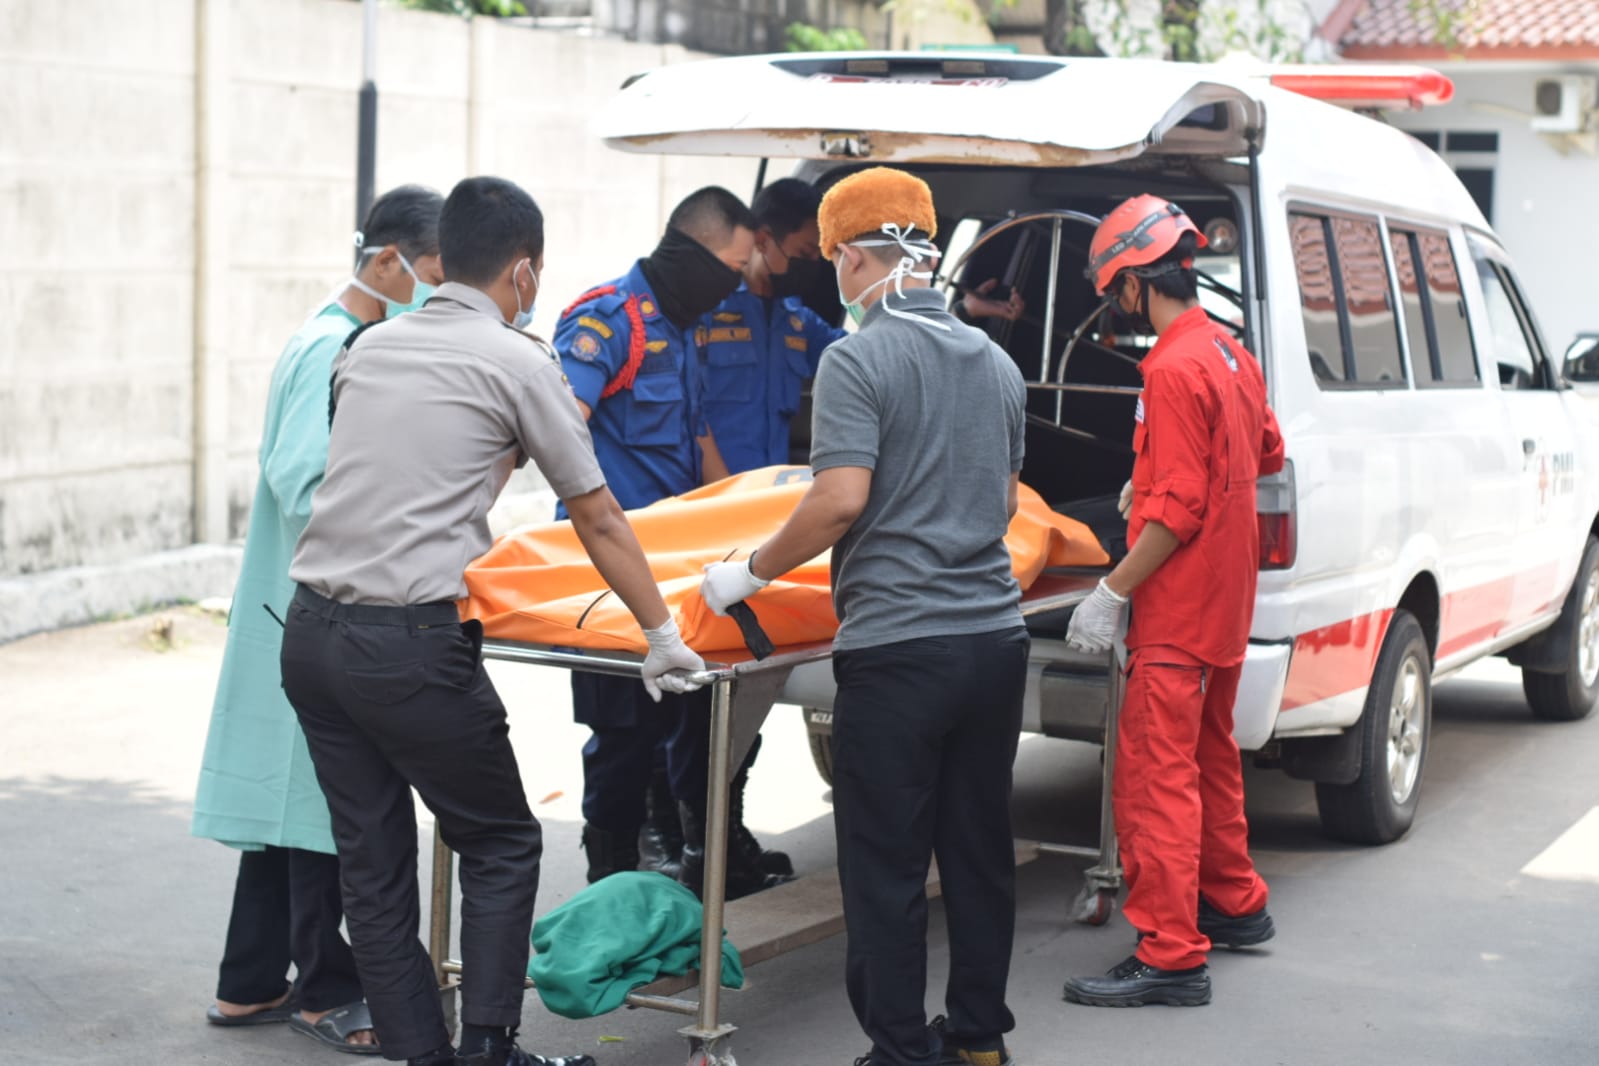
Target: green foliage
x=1193, y=30
x=803, y=37
x=1263, y=37
x=468, y=8
x=1451, y=21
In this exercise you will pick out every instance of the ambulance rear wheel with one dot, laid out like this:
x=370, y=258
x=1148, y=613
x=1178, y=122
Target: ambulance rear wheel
x=1379, y=806
x=1570, y=694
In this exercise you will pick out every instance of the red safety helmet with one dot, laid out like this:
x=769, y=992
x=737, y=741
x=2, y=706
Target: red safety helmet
x=1138, y=232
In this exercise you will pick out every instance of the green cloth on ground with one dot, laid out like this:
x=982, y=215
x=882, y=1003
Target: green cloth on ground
x=619, y=933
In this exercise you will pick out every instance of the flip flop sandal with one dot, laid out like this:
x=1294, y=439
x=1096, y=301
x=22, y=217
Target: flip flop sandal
x=337, y=1026
x=281, y=1013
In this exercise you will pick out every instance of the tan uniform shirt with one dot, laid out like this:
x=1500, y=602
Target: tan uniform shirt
x=433, y=410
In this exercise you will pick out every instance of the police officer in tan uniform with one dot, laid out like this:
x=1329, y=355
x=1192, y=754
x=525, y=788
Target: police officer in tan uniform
x=431, y=412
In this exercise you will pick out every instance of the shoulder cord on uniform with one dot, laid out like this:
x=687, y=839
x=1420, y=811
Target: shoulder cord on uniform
x=635, y=338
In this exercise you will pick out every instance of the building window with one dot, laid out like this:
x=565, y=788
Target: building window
x=1472, y=155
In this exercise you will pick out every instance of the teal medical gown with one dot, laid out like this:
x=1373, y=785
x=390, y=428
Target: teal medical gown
x=257, y=784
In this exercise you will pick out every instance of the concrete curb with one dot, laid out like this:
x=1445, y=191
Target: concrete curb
x=81, y=594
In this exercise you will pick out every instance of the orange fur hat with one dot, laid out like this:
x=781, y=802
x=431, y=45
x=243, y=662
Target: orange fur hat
x=862, y=202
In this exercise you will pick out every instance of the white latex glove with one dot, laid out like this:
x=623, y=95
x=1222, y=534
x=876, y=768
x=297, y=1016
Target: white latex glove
x=1124, y=502
x=669, y=662
x=1097, y=621
x=727, y=583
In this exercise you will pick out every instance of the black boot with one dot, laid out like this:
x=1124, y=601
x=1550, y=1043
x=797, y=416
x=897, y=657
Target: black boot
x=1227, y=931
x=743, y=878
x=740, y=839
x=609, y=853
x=496, y=1053
x=1135, y=983
x=660, y=838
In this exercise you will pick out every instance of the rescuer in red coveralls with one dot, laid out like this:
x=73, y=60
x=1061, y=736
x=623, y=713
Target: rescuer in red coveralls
x=1204, y=434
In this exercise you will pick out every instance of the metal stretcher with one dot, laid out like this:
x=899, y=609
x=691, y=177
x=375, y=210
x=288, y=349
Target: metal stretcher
x=743, y=691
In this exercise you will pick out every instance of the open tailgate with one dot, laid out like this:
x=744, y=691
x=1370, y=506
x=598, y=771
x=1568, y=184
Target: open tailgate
x=929, y=108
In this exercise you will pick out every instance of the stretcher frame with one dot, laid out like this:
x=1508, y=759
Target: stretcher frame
x=743, y=692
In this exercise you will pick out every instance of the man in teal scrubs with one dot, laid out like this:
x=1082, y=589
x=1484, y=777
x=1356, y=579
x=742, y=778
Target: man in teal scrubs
x=258, y=790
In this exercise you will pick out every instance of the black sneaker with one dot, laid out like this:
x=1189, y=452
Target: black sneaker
x=515, y=1056
x=957, y=1053
x=1135, y=983
x=1244, y=931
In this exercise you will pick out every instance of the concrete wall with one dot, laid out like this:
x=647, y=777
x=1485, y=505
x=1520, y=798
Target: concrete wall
x=176, y=193
x=1540, y=202
x=96, y=313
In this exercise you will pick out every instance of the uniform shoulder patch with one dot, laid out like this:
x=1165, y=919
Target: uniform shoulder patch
x=585, y=346
x=1226, y=354
x=589, y=322
x=796, y=323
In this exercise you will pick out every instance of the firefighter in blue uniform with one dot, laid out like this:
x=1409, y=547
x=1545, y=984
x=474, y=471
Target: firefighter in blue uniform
x=632, y=350
x=763, y=343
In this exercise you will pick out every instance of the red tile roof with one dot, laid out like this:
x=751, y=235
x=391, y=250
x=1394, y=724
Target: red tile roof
x=1495, y=29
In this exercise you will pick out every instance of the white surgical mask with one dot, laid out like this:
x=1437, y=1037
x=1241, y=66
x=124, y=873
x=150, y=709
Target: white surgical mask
x=524, y=319
x=914, y=252
x=420, y=290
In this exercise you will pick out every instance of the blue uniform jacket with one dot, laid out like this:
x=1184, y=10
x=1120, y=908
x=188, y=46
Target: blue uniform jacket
x=644, y=434
x=758, y=354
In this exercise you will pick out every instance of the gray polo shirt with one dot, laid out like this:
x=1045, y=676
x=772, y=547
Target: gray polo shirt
x=434, y=409
x=938, y=419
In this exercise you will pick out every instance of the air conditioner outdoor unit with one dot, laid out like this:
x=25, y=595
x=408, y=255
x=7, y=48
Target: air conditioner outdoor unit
x=1564, y=104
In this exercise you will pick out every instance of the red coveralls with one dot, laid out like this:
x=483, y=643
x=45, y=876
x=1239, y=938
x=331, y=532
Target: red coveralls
x=1204, y=435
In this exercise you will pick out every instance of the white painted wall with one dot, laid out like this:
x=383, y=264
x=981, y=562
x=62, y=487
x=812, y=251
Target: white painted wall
x=1542, y=198
x=130, y=301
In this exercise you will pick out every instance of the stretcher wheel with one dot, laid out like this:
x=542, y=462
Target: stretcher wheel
x=822, y=754
x=1093, y=906
x=703, y=1057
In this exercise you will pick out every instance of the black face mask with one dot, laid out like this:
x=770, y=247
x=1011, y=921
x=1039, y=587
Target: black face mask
x=1131, y=321
x=688, y=281
x=799, y=279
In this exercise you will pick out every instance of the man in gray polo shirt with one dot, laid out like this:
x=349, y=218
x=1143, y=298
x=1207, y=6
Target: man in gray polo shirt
x=917, y=445
x=431, y=413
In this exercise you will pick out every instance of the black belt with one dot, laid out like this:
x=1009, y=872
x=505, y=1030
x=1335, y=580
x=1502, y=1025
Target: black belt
x=420, y=615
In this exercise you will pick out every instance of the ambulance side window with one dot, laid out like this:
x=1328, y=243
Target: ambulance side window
x=1457, y=353
x=1351, y=331
x=1441, y=351
x=1318, y=297
x=1521, y=365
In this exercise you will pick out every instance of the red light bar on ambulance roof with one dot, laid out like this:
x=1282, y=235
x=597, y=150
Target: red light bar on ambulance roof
x=1355, y=86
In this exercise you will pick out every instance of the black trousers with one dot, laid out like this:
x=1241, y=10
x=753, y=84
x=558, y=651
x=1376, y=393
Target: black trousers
x=287, y=909
x=924, y=735
x=396, y=698
x=620, y=756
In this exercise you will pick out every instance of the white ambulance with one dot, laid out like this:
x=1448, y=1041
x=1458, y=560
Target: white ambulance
x=1438, y=505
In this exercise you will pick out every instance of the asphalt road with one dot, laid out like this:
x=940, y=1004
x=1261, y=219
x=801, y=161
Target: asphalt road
x=1441, y=949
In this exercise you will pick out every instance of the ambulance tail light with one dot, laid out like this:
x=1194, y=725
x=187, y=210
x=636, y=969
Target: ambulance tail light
x=1276, y=511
